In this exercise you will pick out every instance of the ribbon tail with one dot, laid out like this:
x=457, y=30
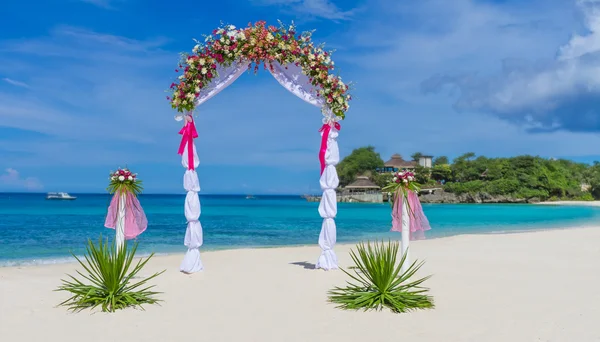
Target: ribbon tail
x=325, y=129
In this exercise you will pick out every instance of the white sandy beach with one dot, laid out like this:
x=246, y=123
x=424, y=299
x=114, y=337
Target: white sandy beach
x=573, y=203
x=541, y=286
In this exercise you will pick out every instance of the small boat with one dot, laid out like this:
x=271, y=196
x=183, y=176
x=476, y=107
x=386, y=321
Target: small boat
x=250, y=197
x=59, y=196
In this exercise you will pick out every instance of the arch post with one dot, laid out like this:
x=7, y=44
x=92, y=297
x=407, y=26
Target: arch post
x=329, y=181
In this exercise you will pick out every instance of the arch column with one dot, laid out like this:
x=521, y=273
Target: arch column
x=193, y=234
x=328, y=206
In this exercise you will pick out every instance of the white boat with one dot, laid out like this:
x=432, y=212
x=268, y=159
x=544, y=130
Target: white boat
x=59, y=196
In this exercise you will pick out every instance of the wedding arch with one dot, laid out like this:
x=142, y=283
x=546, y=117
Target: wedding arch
x=301, y=67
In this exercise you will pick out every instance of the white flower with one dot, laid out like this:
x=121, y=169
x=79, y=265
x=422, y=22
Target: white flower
x=201, y=61
x=231, y=33
x=113, y=178
x=190, y=96
x=196, y=48
x=197, y=89
x=180, y=77
x=269, y=36
x=394, y=179
x=241, y=36
x=204, y=71
x=121, y=178
x=184, y=102
x=222, y=40
x=197, y=81
x=231, y=27
x=340, y=99
x=405, y=181
x=130, y=178
x=411, y=178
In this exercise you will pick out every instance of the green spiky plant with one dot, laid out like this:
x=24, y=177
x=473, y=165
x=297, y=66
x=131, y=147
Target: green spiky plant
x=109, y=279
x=380, y=283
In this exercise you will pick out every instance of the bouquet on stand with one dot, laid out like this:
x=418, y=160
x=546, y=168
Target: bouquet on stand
x=125, y=214
x=408, y=217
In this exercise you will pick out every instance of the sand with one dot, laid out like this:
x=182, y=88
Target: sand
x=573, y=203
x=541, y=286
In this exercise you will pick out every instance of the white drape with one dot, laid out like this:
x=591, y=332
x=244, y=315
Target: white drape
x=193, y=234
x=227, y=75
x=292, y=79
x=328, y=206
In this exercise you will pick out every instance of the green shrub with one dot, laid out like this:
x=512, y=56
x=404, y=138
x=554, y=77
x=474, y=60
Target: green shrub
x=465, y=188
x=109, y=276
x=502, y=186
x=380, y=283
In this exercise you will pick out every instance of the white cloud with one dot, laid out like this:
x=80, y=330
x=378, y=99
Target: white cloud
x=317, y=8
x=15, y=83
x=545, y=94
x=13, y=180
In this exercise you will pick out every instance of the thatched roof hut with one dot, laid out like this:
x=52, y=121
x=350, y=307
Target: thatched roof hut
x=398, y=163
x=362, y=183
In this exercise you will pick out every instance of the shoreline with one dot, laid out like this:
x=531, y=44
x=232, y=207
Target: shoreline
x=69, y=260
x=273, y=294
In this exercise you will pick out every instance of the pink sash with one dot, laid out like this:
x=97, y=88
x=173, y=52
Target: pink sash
x=135, y=219
x=418, y=221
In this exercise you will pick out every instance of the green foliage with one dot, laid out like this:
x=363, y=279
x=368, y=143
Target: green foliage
x=441, y=172
x=520, y=177
x=416, y=156
x=381, y=179
x=109, y=276
x=441, y=160
x=361, y=160
x=379, y=282
x=422, y=174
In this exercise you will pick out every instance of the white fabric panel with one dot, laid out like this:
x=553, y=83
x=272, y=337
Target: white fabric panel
x=328, y=207
x=190, y=181
x=191, y=261
x=120, y=226
x=192, y=206
x=227, y=75
x=296, y=82
x=193, y=234
x=327, y=238
x=184, y=159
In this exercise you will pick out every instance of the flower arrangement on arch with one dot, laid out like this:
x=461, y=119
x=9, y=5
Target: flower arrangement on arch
x=124, y=180
x=258, y=44
x=401, y=183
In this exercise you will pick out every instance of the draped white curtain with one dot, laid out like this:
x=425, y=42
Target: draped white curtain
x=193, y=234
x=227, y=75
x=291, y=78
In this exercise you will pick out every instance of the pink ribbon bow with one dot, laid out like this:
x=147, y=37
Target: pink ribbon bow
x=189, y=134
x=326, y=129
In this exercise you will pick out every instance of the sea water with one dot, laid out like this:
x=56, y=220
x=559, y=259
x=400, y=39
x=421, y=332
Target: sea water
x=35, y=230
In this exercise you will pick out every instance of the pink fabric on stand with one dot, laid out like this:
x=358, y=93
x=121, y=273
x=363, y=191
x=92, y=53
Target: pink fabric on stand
x=418, y=221
x=135, y=218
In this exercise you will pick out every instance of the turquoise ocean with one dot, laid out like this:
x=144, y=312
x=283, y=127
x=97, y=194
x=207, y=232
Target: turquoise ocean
x=34, y=230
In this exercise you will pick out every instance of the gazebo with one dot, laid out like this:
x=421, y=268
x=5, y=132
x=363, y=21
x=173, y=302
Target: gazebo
x=362, y=184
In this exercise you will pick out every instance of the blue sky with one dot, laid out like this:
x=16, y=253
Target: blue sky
x=82, y=88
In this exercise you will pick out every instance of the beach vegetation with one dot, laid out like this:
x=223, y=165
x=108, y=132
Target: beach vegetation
x=110, y=279
x=377, y=281
x=361, y=160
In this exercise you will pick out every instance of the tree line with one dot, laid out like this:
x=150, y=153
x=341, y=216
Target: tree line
x=520, y=177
